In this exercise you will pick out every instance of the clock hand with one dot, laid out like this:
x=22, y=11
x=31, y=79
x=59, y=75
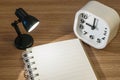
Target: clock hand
x=89, y=25
x=94, y=24
x=92, y=27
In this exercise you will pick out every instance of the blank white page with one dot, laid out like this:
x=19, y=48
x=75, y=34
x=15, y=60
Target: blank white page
x=64, y=60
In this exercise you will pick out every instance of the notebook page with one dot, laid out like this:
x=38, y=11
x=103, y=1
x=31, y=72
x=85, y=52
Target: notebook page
x=65, y=60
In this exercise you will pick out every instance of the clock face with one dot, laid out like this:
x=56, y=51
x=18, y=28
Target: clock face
x=92, y=29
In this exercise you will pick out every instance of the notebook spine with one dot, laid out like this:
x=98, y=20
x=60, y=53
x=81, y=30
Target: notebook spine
x=30, y=68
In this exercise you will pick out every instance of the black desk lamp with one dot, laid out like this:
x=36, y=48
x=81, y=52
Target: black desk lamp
x=29, y=22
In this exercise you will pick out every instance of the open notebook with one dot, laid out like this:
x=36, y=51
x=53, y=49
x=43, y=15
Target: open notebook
x=64, y=60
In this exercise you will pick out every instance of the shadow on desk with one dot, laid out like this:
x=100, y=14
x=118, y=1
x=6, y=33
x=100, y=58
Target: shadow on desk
x=94, y=62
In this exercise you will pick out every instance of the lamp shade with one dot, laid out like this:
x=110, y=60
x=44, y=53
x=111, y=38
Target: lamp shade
x=29, y=22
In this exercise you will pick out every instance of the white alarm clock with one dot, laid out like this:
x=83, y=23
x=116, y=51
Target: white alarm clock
x=96, y=24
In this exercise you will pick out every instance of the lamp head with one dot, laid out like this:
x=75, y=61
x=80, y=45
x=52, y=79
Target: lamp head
x=29, y=22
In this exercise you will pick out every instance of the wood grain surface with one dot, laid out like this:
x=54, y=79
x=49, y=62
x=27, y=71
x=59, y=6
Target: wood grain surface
x=56, y=23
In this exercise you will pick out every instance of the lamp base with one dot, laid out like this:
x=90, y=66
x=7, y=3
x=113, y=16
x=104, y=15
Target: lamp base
x=23, y=41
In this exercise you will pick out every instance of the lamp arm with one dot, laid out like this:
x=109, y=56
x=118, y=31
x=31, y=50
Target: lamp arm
x=14, y=24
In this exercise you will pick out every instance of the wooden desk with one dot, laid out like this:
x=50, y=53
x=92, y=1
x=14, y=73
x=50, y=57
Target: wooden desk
x=56, y=17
